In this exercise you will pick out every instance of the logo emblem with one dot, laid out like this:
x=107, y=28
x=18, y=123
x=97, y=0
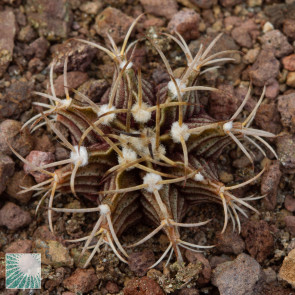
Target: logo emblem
x=23, y=271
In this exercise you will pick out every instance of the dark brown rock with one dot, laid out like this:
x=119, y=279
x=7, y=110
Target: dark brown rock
x=74, y=80
x=268, y=118
x=44, y=144
x=7, y=33
x=230, y=242
x=43, y=233
x=166, y=8
x=113, y=22
x=223, y=104
x=39, y=48
x=243, y=33
x=142, y=286
x=275, y=41
x=275, y=289
x=286, y=150
x=289, y=62
x=26, y=34
x=13, y=217
x=269, y=185
x=215, y=260
x=6, y=170
x=243, y=276
x=19, y=246
x=16, y=99
x=226, y=42
x=35, y=65
x=93, y=89
x=112, y=287
x=186, y=23
x=80, y=55
x=39, y=159
x=139, y=262
x=290, y=223
x=286, y=107
x=194, y=257
x=52, y=19
x=82, y=280
x=16, y=182
x=290, y=203
x=20, y=140
x=272, y=89
x=265, y=68
x=259, y=241
x=289, y=28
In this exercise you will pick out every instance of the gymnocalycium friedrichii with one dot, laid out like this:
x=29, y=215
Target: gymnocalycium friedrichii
x=145, y=152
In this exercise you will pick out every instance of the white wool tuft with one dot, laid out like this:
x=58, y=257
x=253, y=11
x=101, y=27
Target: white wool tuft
x=65, y=102
x=106, y=120
x=123, y=63
x=151, y=179
x=177, y=131
x=172, y=88
x=199, y=177
x=141, y=114
x=129, y=155
x=104, y=209
x=80, y=155
x=228, y=126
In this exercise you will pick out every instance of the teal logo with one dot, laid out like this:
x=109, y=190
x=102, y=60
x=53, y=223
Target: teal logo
x=23, y=271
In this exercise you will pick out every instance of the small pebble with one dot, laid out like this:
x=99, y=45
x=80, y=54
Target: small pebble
x=113, y=22
x=287, y=270
x=186, y=23
x=286, y=107
x=74, y=80
x=269, y=185
x=291, y=79
x=230, y=242
x=142, y=286
x=165, y=8
x=139, y=262
x=19, y=246
x=39, y=159
x=14, y=217
x=7, y=33
x=267, y=27
x=290, y=224
x=258, y=239
x=240, y=277
x=289, y=28
x=276, y=42
x=20, y=140
x=16, y=182
x=290, y=203
x=286, y=150
x=6, y=170
x=53, y=253
x=112, y=287
x=289, y=62
x=265, y=68
x=81, y=281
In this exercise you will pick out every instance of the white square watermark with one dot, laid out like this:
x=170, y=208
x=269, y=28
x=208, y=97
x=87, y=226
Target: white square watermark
x=23, y=271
